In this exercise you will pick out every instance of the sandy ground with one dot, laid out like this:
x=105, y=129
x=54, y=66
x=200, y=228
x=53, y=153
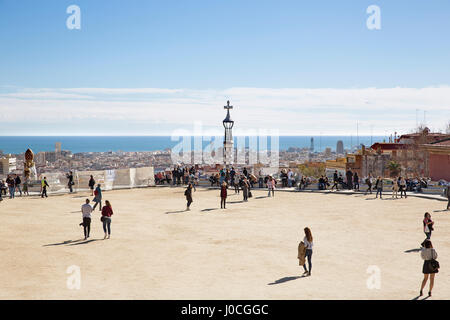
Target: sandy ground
x=248, y=251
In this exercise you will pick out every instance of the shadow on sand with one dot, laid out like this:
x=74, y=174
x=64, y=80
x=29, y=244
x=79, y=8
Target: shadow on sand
x=445, y=210
x=179, y=211
x=209, y=209
x=84, y=242
x=285, y=279
x=62, y=243
x=412, y=250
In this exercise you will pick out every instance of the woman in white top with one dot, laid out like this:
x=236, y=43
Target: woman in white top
x=429, y=269
x=271, y=186
x=86, y=210
x=308, y=241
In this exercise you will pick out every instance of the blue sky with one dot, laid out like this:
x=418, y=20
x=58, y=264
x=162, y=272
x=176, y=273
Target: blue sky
x=207, y=48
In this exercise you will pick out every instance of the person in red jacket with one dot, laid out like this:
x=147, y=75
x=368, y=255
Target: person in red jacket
x=107, y=212
x=223, y=195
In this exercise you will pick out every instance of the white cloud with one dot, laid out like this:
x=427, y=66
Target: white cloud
x=160, y=111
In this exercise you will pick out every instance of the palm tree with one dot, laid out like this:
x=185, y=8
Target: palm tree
x=394, y=168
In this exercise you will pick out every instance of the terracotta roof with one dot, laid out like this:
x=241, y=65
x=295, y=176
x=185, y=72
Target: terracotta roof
x=388, y=146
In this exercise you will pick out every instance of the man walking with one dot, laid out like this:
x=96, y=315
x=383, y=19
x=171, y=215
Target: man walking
x=17, y=181
x=11, y=186
x=379, y=187
x=44, y=186
x=70, y=183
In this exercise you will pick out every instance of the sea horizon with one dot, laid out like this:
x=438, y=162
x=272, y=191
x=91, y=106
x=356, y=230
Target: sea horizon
x=80, y=144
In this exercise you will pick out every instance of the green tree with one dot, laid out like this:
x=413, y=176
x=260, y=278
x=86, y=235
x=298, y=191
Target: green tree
x=394, y=168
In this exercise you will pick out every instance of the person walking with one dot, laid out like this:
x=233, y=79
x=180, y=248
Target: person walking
x=402, y=184
x=91, y=184
x=260, y=179
x=245, y=188
x=98, y=197
x=44, y=186
x=428, y=226
x=379, y=187
x=271, y=186
x=430, y=266
x=335, y=181
x=223, y=195
x=395, y=189
x=25, y=187
x=70, y=182
x=369, y=184
x=107, y=212
x=308, y=241
x=356, y=181
x=11, y=186
x=86, y=211
x=188, y=194
x=18, y=182
x=349, y=175
x=447, y=193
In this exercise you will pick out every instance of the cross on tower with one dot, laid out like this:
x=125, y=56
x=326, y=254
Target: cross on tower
x=228, y=107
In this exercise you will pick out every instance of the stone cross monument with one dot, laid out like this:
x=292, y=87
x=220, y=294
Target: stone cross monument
x=228, y=138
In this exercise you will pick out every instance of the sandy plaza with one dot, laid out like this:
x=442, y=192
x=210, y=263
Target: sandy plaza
x=247, y=251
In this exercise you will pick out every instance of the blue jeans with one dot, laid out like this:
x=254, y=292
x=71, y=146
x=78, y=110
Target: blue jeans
x=11, y=192
x=379, y=191
x=107, y=224
x=308, y=255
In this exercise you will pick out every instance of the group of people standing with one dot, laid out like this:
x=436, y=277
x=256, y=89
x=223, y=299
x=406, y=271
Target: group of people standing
x=11, y=185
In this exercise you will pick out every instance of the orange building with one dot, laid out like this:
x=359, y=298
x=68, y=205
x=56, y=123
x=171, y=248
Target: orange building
x=439, y=159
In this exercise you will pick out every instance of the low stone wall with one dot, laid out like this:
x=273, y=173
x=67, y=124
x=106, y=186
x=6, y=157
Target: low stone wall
x=109, y=179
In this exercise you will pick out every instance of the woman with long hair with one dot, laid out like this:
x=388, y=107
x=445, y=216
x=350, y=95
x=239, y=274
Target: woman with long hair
x=308, y=241
x=430, y=265
x=223, y=195
x=107, y=212
x=427, y=226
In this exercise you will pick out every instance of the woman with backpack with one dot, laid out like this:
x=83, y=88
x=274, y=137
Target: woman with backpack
x=430, y=266
x=98, y=197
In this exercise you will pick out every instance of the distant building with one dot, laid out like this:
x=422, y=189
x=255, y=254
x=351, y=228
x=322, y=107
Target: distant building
x=311, y=148
x=439, y=159
x=40, y=158
x=7, y=165
x=340, y=147
x=58, y=147
x=328, y=152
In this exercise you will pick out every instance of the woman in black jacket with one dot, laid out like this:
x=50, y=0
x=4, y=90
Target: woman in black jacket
x=188, y=194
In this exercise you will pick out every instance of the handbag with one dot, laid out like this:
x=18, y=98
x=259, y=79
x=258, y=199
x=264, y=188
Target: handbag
x=434, y=263
x=102, y=218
